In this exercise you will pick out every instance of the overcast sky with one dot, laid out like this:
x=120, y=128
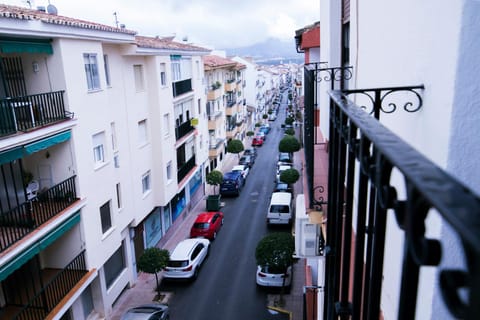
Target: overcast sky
x=220, y=24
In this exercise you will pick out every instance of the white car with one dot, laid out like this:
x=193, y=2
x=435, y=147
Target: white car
x=187, y=258
x=244, y=169
x=267, y=277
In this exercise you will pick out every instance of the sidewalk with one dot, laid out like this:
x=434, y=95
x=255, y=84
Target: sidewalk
x=143, y=292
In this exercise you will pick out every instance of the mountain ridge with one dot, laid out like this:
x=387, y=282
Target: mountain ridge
x=270, y=49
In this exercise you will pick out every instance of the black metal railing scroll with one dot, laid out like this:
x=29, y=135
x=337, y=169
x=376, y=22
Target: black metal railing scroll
x=314, y=73
x=369, y=167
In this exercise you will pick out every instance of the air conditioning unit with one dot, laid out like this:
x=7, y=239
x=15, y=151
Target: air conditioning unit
x=307, y=231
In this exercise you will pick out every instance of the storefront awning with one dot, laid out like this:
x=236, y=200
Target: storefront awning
x=18, y=45
x=46, y=142
x=9, y=267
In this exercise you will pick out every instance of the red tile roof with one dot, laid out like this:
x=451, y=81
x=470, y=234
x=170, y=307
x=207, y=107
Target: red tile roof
x=19, y=13
x=166, y=43
x=216, y=62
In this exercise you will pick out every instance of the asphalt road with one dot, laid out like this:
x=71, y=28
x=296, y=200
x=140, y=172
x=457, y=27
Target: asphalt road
x=225, y=287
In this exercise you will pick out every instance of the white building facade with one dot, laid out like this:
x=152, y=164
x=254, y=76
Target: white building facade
x=104, y=145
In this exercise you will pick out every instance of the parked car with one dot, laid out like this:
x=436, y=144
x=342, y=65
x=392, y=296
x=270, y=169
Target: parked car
x=272, y=117
x=247, y=160
x=265, y=127
x=270, y=277
x=207, y=225
x=284, y=157
x=152, y=311
x=265, y=130
x=282, y=187
x=262, y=135
x=232, y=183
x=251, y=152
x=187, y=258
x=257, y=142
x=243, y=168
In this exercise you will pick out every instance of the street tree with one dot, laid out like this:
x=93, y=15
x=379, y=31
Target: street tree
x=290, y=176
x=214, y=178
x=276, y=250
x=235, y=146
x=152, y=261
x=289, y=144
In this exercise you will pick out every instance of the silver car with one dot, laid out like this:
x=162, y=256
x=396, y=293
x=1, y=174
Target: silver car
x=152, y=311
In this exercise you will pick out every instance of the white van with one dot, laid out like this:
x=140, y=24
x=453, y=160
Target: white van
x=280, y=209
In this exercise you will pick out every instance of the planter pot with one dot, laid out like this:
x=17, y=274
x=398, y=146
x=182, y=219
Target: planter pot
x=213, y=202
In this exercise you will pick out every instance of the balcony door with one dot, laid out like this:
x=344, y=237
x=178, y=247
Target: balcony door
x=12, y=78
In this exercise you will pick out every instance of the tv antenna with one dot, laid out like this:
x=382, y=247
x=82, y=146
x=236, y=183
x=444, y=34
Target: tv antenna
x=116, y=19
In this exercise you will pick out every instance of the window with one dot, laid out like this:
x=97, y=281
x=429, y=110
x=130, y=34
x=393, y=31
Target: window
x=119, y=195
x=91, y=71
x=146, y=182
x=142, y=132
x=199, y=103
x=107, y=70
x=114, y=266
x=163, y=75
x=98, y=148
x=169, y=171
x=197, y=67
x=105, y=217
x=138, y=75
x=166, y=124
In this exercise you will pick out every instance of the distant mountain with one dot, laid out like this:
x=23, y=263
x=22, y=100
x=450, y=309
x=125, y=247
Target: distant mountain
x=268, y=50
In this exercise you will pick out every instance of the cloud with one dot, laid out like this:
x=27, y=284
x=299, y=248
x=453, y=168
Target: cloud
x=219, y=23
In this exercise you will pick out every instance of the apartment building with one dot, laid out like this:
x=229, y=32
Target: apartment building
x=226, y=105
x=399, y=130
x=104, y=144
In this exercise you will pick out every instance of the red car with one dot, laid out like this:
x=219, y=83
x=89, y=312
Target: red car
x=257, y=142
x=207, y=225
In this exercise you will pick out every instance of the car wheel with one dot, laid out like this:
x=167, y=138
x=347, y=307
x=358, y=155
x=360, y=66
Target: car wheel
x=195, y=274
x=222, y=222
x=214, y=235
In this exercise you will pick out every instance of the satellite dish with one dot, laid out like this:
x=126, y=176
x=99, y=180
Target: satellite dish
x=52, y=9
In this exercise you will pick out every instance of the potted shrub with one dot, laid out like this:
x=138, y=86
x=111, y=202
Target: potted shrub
x=214, y=178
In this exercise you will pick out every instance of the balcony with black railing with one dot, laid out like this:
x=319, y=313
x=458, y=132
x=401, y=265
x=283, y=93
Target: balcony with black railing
x=185, y=168
x=181, y=87
x=184, y=129
x=33, y=111
x=22, y=220
x=364, y=156
x=57, y=283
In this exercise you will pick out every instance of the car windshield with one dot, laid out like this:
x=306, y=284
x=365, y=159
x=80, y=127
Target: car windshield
x=277, y=208
x=201, y=225
x=140, y=314
x=177, y=263
x=273, y=270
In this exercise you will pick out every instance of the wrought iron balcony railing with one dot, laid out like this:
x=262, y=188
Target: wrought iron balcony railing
x=24, y=219
x=185, y=168
x=33, y=111
x=181, y=87
x=364, y=156
x=184, y=129
x=55, y=290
